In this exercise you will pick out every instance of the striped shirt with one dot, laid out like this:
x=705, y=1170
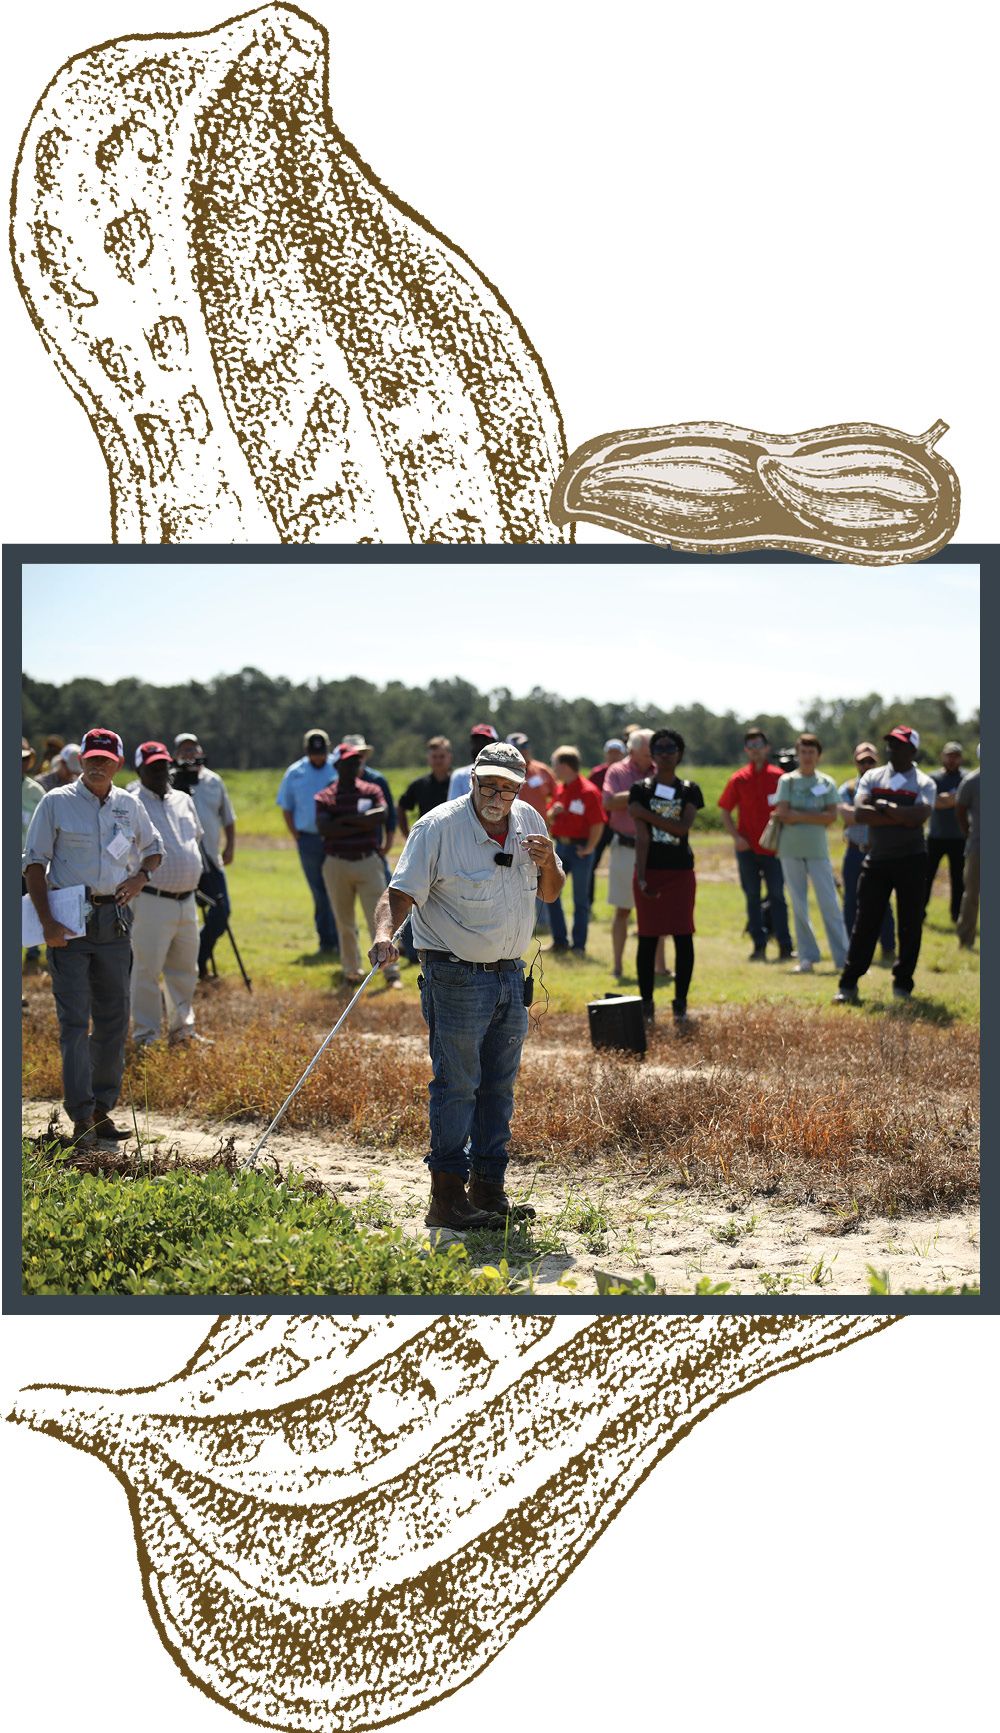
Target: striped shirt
x=180, y=829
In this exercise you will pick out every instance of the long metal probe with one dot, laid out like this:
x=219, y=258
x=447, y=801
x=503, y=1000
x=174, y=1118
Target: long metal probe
x=250, y=1160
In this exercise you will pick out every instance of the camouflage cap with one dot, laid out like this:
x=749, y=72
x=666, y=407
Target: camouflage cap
x=501, y=759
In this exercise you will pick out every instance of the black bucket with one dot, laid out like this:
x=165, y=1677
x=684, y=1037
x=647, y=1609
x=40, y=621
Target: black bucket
x=617, y=1021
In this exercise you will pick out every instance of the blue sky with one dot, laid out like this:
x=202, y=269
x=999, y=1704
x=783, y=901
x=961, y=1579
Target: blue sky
x=746, y=638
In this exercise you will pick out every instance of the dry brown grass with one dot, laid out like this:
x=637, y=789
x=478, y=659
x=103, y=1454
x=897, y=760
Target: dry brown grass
x=854, y=1115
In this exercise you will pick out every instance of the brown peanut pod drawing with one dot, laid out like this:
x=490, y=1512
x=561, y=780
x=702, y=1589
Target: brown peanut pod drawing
x=270, y=345
x=339, y=1522
x=855, y=491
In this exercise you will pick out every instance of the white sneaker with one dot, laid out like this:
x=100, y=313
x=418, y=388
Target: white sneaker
x=802, y=969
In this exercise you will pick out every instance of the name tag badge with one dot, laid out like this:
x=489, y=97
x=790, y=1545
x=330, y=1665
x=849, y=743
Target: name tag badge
x=772, y=800
x=664, y=792
x=535, y=781
x=819, y=787
x=364, y=803
x=576, y=806
x=897, y=781
x=119, y=845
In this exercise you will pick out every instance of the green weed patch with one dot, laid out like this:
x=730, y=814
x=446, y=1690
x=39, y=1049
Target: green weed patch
x=216, y=1232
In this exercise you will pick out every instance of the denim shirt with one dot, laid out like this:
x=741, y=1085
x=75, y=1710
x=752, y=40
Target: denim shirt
x=298, y=789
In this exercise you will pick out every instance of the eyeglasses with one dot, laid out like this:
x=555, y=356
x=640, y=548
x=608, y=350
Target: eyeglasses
x=505, y=791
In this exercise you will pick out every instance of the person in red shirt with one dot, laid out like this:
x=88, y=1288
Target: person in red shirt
x=576, y=821
x=751, y=793
x=614, y=752
x=539, y=790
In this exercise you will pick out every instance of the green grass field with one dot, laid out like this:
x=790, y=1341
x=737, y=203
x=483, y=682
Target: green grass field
x=253, y=793
x=272, y=920
x=761, y=1099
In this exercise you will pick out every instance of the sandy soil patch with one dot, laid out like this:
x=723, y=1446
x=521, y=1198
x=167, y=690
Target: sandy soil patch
x=602, y=1221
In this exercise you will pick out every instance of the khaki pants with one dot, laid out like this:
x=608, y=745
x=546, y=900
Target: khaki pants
x=969, y=912
x=164, y=942
x=345, y=880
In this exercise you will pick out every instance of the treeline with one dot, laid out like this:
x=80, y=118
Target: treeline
x=252, y=720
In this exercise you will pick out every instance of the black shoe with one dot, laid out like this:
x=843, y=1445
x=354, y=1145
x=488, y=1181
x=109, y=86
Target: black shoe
x=82, y=1136
x=648, y=1010
x=902, y=992
x=847, y=996
x=758, y=954
x=450, y=1206
x=786, y=954
x=680, y=1011
x=484, y=1195
x=106, y=1131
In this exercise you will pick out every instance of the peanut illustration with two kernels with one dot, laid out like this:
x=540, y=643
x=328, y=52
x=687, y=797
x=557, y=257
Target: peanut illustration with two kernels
x=853, y=491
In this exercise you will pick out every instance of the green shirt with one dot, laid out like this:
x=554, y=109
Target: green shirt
x=805, y=794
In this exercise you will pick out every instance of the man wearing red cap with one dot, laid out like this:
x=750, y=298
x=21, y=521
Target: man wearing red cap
x=165, y=936
x=895, y=801
x=95, y=835
x=461, y=779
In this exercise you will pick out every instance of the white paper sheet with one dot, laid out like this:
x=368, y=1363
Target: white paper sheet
x=66, y=905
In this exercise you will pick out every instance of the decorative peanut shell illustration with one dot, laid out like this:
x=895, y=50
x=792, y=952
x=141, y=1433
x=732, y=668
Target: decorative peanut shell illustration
x=340, y=1521
x=857, y=492
x=271, y=347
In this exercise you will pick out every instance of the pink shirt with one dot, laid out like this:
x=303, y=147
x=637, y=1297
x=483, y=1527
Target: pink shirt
x=617, y=778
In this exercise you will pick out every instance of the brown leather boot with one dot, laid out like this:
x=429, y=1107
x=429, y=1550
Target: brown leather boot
x=484, y=1195
x=450, y=1207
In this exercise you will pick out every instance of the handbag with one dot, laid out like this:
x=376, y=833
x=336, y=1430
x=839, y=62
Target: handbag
x=770, y=835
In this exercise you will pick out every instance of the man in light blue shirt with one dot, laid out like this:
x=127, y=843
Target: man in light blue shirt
x=93, y=834
x=461, y=779
x=301, y=783
x=468, y=878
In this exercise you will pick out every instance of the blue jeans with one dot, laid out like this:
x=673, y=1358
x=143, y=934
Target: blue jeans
x=312, y=854
x=580, y=870
x=752, y=868
x=849, y=872
x=212, y=884
x=476, y=1023
x=799, y=875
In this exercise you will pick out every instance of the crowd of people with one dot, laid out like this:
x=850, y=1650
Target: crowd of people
x=148, y=856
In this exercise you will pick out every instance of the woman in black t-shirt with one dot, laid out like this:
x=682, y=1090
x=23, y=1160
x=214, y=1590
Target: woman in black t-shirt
x=664, y=808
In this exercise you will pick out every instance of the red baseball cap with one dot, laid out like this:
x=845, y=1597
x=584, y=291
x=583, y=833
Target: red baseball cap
x=908, y=736
x=101, y=743
x=152, y=752
x=347, y=750
x=484, y=731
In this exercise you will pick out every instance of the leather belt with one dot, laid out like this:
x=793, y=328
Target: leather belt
x=174, y=896
x=626, y=841
x=488, y=968
x=97, y=901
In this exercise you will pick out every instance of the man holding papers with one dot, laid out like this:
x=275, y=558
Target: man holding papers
x=93, y=835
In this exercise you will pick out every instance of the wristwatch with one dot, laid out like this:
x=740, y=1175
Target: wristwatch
x=146, y=871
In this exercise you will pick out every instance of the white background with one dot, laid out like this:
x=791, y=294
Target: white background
x=777, y=215
x=815, y=1555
